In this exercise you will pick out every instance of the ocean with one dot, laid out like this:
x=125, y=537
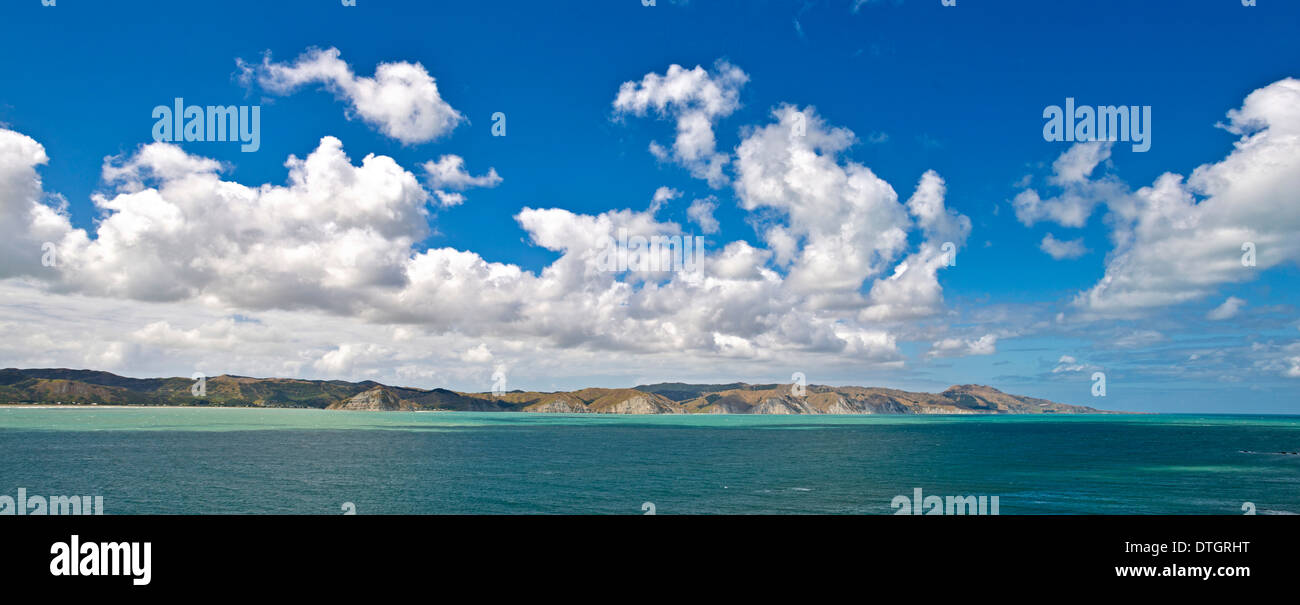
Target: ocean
x=241, y=461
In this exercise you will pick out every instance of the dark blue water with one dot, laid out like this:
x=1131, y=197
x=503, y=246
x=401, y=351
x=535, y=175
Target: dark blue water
x=312, y=462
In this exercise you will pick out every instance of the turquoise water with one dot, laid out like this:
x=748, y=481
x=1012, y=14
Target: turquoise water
x=196, y=460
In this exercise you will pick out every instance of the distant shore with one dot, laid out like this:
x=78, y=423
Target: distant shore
x=88, y=406
x=136, y=406
x=83, y=389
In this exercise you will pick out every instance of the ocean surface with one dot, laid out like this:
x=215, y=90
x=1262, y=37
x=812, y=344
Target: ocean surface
x=196, y=460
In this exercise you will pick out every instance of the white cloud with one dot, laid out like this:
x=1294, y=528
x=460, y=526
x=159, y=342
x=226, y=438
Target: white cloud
x=26, y=221
x=843, y=223
x=343, y=360
x=1269, y=358
x=479, y=354
x=1079, y=195
x=448, y=177
x=1068, y=364
x=701, y=212
x=449, y=199
x=449, y=173
x=1180, y=239
x=225, y=334
x=914, y=291
x=1227, y=310
x=1139, y=338
x=1063, y=249
x=695, y=99
x=741, y=261
x=1078, y=162
x=333, y=265
x=401, y=100
x=174, y=230
x=662, y=196
x=341, y=238
x=956, y=347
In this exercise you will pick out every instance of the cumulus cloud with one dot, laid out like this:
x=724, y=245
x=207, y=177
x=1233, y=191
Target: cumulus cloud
x=449, y=199
x=1069, y=364
x=1078, y=162
x=345, y=239
x=695, y=99
x=448, y=177
x=1270, y=358
x=701, y=212
x=479, y=354
x=1228, y=310
x=401, y=100
x=842, y=223
x=913, y=290
x=662, y=196
x=27, y=222
x=1179, y=239
x=173, y=229
x=956, y=347
x=334, y=265
x=449, y=173
x=343, y=360
x=224, y=334
x=1063, y=249
x=341, y=238
x=1079, y=194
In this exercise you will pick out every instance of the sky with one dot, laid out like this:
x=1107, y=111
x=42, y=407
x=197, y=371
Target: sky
x=432, y=185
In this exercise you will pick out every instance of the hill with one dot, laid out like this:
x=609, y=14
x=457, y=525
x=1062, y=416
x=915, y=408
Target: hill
x=70, y=387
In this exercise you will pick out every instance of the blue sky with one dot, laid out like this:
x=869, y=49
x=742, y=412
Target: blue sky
x=955, y=90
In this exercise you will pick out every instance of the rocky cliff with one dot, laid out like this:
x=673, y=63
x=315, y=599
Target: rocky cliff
x=378, y=399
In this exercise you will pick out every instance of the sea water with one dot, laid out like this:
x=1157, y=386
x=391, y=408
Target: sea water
x=197, y=460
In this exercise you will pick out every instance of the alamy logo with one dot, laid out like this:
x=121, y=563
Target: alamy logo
x=654, y=253
x=1098, y=384
x=499, y=382
x=102, y=559
x=209, y=124
x=1085, y=123
x=920, y=504
x=54, y=505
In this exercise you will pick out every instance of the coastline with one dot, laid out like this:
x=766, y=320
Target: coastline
x=86, y=406
x=89, y=406
x=133, y=406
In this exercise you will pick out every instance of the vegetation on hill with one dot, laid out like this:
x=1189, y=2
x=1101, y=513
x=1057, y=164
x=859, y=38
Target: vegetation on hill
x=62, y=386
